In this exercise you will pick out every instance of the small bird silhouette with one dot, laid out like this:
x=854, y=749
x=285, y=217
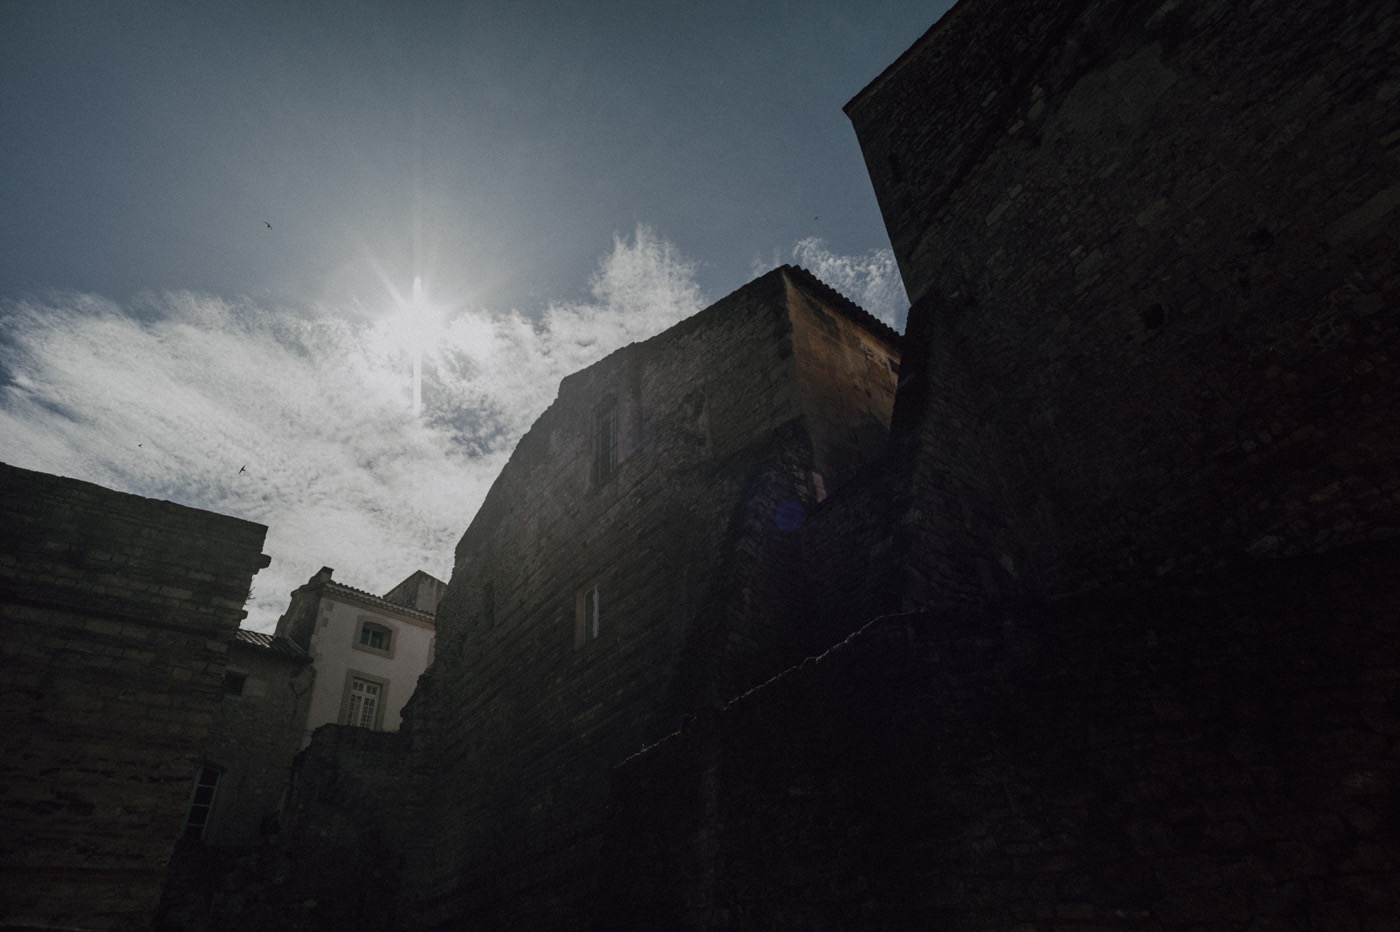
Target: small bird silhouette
x=266, y=224
x=241, y=469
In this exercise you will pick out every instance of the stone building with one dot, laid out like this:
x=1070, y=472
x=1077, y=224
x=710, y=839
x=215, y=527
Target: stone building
x=1107, y=635
x=634, y=560
x=258, y=727
x=1150, y=248
x=1142, y=504
x=116, y=618
x=368, y=650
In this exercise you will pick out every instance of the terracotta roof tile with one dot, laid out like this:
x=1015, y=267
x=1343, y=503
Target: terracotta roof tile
x=845, y=305
x=278, y=645
x=369, y=598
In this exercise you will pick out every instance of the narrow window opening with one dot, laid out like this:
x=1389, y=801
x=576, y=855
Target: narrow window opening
x=233, y=683
x=605, y=441
x=201, y=802
x=587, y=615
x=488, y=604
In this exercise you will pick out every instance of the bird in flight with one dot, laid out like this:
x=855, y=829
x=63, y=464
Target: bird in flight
x=241, y=469
x=266, y=224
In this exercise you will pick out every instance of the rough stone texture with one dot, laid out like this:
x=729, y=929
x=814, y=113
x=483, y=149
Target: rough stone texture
x=729, y=426
x=1141, y=490
x=1197, y=754
x=723, y=421
x=1153, y=253
x=336, y=863
x=116, y=614
x=253, y=738
x=255, y=735
x=1143, y=466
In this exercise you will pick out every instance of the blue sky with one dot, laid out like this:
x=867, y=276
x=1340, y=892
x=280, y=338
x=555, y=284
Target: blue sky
x=562, y=177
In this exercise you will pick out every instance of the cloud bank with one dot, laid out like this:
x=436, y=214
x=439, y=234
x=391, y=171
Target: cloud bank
x=871, y=280
x=172, y=395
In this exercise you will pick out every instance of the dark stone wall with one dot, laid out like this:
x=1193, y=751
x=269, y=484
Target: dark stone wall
x=691, y=543
x=1194, y=754
x=1140, y=485
x=1152, y=248
x=1142, y=465
x=254, y=737
x=847, y=377
x=116, y=615
x=337, y=862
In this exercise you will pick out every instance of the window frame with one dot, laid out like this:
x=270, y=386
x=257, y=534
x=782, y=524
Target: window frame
x=350, y=677
x=369, y=621
x=193, y=830
x=607, y=447
x=586, y=598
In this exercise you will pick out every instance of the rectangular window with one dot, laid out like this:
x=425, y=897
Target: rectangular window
x=605, y=441
x=363, y=708
x=374, y=637
x=201, y=802
x=587, y=615
x=233, y=683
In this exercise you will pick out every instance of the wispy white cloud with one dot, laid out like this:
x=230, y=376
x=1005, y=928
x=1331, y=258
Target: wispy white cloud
x=171, y=396
x=871, y=280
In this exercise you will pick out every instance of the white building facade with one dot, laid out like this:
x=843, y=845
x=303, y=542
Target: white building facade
x=368, y=650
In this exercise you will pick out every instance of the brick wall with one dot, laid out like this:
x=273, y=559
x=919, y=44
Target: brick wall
x=116, y=613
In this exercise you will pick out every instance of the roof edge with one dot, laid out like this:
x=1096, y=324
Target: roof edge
x=369, y=598
x=904, y=56
x=845, y=305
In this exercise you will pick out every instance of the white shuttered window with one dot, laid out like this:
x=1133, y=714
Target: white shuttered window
x=364, y=703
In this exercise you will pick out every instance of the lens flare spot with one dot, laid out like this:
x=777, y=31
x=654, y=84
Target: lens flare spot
x=789, y=514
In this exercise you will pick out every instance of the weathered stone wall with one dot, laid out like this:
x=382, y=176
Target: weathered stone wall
x=336, y=863
x=254, y=736
x=116, y=613
x=1152, y=248
x=1192, y=754
x=844, y=549
x=689, y=543
x=847, y=376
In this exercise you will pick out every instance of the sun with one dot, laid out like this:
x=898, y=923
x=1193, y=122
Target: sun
x=416, y=328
